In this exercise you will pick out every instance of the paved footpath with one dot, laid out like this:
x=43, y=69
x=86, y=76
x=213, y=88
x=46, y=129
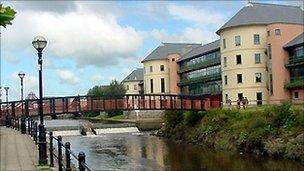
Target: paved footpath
x=18, y=151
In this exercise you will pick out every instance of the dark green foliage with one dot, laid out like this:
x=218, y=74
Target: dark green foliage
x=283, y=115
x=173, y=117
x=91, y=114
x=193, y=117
x=7, y=14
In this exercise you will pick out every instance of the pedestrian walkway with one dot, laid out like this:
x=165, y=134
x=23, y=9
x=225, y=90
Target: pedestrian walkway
x=18, y=151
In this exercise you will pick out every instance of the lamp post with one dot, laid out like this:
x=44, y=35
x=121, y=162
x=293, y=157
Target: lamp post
x=39, y=44
x=7, y=117
x=6, y=93
x=21, y=76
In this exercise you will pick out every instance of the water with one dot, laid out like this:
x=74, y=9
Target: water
x=140, y=151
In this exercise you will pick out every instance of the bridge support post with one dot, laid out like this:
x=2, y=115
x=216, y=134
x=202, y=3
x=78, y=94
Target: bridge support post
x=23, y=125
x=81, y=160
x=67, y=156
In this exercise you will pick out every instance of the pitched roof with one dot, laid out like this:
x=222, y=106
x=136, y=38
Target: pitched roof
x=261, y=13
x=162, y=51
x=296, y=41
x=212, y=46
x=136, y=75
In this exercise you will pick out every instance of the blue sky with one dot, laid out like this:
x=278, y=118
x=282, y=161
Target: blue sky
x=92, y=42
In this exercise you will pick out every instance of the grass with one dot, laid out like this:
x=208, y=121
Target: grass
x=273, y=130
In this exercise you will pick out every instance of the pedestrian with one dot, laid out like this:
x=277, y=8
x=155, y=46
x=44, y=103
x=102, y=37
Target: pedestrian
x=229, y=103
x=246, y=102
x=238, y=103
x=243, y=102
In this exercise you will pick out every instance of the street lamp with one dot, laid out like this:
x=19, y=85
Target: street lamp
x=6, y=93
x=39, y=44
x=21, y=76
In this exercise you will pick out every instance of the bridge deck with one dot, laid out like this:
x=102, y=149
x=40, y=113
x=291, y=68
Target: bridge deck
x=18, y=151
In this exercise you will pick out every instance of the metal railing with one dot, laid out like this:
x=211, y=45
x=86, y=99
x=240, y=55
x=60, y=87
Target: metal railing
x=203, y=64
x=82, y=166
x=204, y=78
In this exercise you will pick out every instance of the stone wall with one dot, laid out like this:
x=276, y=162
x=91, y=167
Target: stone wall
x=144, y=114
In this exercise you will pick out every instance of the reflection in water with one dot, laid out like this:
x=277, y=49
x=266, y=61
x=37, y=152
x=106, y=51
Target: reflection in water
x=143, y=152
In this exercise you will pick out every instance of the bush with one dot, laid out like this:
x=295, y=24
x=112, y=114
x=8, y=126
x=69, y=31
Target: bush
x=114, y=113
x=91, y=114
x=173, y=117
x=192, y=117
x=283, y=115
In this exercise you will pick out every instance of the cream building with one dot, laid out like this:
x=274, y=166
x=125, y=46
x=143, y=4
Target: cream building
x=244, y=50
x=134, y=82
x=161, y=68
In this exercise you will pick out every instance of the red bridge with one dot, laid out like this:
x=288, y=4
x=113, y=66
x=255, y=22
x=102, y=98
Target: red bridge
x=83, y=104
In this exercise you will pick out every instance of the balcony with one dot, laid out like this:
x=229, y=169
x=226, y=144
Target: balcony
x=205, y=78
x=295, y=82
x=294, y=61
x=210, y=62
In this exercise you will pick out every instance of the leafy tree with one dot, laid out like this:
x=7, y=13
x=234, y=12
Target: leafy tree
x=7, y=14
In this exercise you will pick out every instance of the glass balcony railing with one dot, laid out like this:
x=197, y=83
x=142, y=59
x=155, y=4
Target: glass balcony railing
x=204, y=78
x=295, y=60
x=199, y=65
x=296, y=79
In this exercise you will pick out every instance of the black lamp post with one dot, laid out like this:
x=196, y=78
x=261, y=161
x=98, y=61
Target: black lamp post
x=6, y=93
x=39, y=44
x=21, y=76
x=7, y=117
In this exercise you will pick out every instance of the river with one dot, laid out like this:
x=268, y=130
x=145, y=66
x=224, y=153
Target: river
x=141, y=151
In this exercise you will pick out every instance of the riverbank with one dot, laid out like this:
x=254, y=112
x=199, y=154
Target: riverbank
x=144, y=124
x=276, y=131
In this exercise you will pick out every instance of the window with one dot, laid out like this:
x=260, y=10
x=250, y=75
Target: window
x=269, y=50
x=237, y=40
x=173, y=59
x=162, y=85
x=225, y=61
x=226, y=80
x=238, y=59
x=257, y=58
x=259, y=98
x=224, y=43
x=127, y=87
x=240, y=96
x=144, y=70
x=270, y=84
x=296, y=94
x=256, y=39
x=162, y=68
x=151, y=85
x=135, y=87
x=277, y=32
x=239, y=78
x=151, y=68
x=268, y=33
x=258, y=77
x=226, y=97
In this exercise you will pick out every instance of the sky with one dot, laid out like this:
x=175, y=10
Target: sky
x=93, y=42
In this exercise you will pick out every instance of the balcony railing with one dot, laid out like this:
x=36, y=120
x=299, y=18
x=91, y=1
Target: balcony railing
x=199, y=65
x=295, y=60
x=205, y=78
x=295, y=82
x=296, y=79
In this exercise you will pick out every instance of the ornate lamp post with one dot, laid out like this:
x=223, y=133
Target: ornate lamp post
x=6, y=93
x=39, y=44
x=21, y=76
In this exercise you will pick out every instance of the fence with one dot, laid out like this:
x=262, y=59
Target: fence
x=64, y=161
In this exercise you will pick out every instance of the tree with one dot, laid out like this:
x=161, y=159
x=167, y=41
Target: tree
x=114, y=90
x=7, y=14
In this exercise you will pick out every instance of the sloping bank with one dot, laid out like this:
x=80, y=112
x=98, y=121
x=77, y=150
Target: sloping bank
x=276, y=131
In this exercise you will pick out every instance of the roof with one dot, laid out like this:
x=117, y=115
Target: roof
x=209, y=47
x=162, y=51
x=136, y=75
x=261, y=13
x=296, y=41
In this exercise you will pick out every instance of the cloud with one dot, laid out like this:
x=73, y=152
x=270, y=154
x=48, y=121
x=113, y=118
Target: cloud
x=67, y=77
x=198, y=16
x=88, y=37
x=12, y=59
x=96, y=79
x=193, y=35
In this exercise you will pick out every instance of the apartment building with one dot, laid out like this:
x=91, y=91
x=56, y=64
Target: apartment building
x=200, y=71
x=252, y=53
x=134, y=82
x=161, y=68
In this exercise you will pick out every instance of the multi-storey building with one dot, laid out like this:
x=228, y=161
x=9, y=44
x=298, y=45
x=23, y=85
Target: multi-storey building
x=200, y=71
x=295, y=65
x=248, y=68
x=134, y=82
x=161, y=68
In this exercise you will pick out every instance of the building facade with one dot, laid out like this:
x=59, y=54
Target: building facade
x=200, y=71
x=134, y=82
x=252, y=54
x=161, y=68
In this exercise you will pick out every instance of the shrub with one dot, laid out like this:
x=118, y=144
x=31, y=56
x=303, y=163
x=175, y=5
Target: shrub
x=173, y=117
x=114, y=113
x=192, y=117
x=299, y=117
x=283, y=115
x=91, y=114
